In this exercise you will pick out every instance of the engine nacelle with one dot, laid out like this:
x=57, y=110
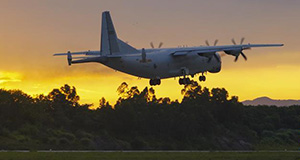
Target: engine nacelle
x=215, y=69
x=235, y=52
x=217, y=66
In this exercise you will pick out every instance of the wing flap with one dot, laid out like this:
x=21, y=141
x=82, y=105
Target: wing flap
x=176, y=54
x=202, y=52
x=210, y=50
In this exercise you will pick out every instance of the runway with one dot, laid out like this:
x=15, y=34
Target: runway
x=158, y=151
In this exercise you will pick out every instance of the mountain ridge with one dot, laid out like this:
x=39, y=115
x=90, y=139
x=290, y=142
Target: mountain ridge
x=271, y=102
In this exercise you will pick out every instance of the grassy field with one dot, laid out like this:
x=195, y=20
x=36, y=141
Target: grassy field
x=149, y=156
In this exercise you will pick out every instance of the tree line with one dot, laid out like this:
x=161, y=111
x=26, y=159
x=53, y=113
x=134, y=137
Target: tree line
x=204, y=120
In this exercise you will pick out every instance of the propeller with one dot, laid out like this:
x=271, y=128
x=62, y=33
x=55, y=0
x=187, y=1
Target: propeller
x=242, y=41
x=240, y=52
x=215, y=55
x=143, y=55
x=151, y=44
x=215, y=43
x=69, y=58
x=159, y=45
x=207, y=43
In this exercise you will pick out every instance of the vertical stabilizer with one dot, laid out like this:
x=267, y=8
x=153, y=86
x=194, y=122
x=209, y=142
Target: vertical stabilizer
x=110, y=44
x=109, y=40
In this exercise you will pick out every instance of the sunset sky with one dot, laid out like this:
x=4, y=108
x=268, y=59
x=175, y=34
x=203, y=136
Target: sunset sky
x=32, y=30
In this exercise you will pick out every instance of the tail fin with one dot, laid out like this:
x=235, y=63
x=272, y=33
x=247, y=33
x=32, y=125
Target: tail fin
x=110, y=44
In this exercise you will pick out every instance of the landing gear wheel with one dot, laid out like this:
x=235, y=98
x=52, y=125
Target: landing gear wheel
x=181, y=81
x=151, y=82
x=202, y=78
x=184, y=81
x=187, y=81
x=158, y=81
x=154, y=82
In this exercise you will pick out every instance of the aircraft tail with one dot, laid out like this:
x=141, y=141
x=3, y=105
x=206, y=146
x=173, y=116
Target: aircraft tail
x=110, y=44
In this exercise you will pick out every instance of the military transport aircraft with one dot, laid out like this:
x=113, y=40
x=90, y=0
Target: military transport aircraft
x=158, y=63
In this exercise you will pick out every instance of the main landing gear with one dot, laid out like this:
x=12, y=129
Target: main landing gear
x=183, y=81
x=154, y=82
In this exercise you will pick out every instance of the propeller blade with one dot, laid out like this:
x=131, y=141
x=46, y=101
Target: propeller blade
x=216, y=42
x=245, y=57
x=233, y=41
x=151, y=44
x=143, y=55
x=143, y=51
x=236, y=58
x=69, y=58
x=207, y=43
x=160, y=44
x=209, y=59
x=217, y=57
x=242, y=40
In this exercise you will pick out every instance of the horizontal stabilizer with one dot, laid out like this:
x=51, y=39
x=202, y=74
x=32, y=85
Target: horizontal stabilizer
x=85, y=57
x=79, y=53
x=113, y=56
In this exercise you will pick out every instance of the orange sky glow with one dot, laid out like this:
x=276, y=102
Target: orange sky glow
x=31, y=31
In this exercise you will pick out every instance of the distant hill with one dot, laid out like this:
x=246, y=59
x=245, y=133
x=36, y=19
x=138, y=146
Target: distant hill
x=268, y=101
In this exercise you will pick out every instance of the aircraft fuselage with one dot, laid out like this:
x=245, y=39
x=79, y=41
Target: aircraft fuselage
x=160, y=65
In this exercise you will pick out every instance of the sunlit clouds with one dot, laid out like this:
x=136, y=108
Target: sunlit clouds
x=6, y=77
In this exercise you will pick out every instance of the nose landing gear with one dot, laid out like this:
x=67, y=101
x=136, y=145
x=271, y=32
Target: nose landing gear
x=202, y=78
x=154, y=82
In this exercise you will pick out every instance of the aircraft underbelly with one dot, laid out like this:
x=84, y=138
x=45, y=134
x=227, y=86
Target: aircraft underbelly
x=163, y=67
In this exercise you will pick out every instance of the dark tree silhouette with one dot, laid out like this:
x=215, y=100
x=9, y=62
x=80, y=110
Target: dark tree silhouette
x=204, y=119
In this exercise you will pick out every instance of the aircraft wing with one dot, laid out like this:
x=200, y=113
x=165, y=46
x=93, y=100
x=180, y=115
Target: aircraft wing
x=228, y=49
